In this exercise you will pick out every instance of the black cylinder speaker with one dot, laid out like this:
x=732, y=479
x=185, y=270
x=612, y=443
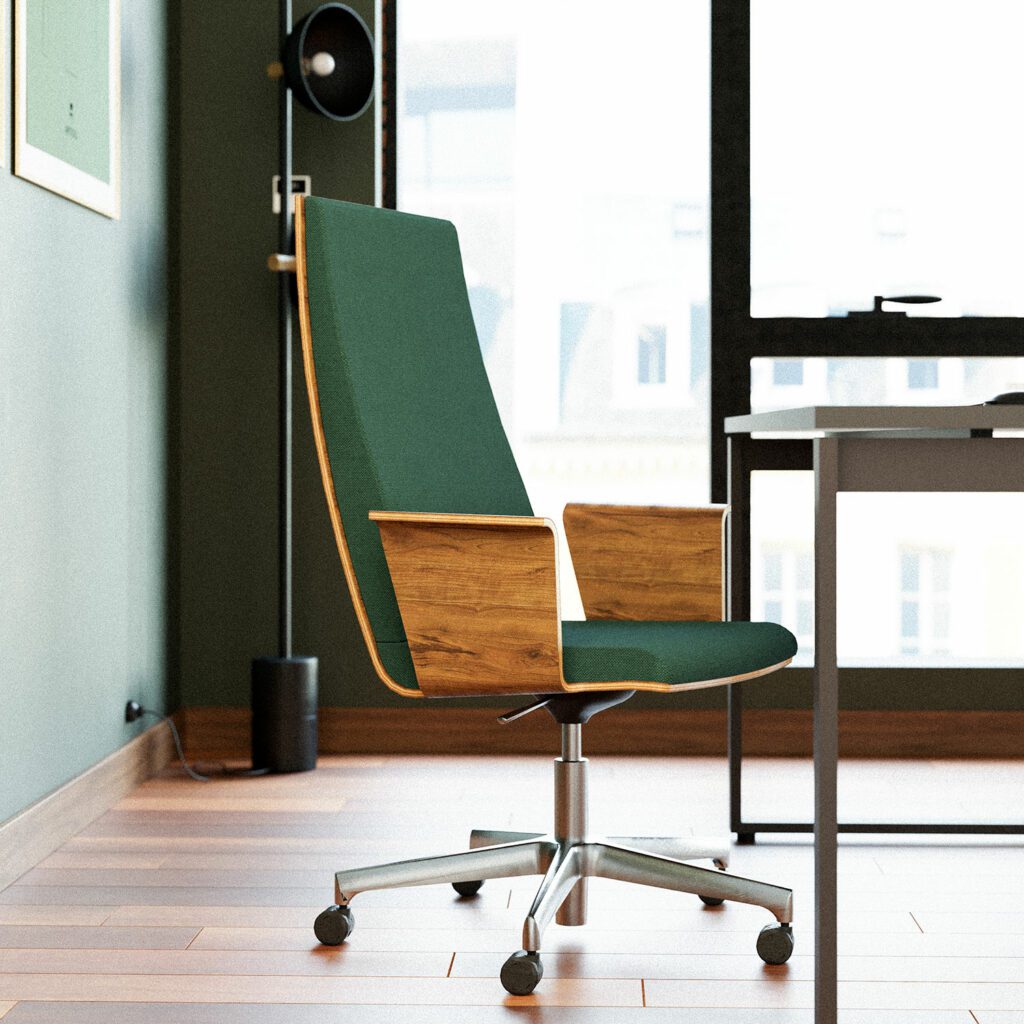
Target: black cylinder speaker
x=284, y=703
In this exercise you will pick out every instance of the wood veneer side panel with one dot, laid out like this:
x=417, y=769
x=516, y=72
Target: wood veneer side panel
x=479, y=602
x=639, y=562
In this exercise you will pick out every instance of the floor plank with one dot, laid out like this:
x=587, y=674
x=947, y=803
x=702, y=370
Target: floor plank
x=55, y=915
x=85, y=859
x=308, y=989
x=28, y=936
x=318, y=961
x=971, y=924
x=233, y=804
x=746, y=966
x=861, y=995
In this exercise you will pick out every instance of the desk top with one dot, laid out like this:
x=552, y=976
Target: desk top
x=902, y=420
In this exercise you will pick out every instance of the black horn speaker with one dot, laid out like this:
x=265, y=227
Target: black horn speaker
x=329, y=62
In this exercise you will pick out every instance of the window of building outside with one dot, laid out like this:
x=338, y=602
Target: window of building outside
x=895, y=174
x=581, y=202
x=786, y=572
x=924, y=600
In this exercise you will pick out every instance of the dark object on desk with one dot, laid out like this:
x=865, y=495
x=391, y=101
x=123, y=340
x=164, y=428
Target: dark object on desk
x=455, y=587
x=1007, y=398
x=911, y=300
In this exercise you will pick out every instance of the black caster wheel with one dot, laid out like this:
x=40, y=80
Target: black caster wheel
x=467, y=888
x=775, y=943
x=334, y=925
x=712, y=901
x=521, y=973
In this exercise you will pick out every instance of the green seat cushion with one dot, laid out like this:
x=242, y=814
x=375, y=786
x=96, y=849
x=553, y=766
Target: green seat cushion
x=599, y=651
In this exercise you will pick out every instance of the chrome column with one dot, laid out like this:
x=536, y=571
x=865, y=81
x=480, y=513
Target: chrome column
x=571, y=816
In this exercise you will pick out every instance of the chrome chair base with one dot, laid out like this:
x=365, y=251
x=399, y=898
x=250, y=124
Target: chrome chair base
x=567, y=857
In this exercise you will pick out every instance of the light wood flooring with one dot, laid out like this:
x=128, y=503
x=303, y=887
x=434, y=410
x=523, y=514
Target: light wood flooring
x=193, y=903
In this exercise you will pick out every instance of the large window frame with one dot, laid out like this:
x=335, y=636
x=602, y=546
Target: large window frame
x=736, y=336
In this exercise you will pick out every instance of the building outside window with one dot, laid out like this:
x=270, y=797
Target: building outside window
x=650, y=346
x=588, y=270
x=784, y=590
x=588, y=267
x=924, y=600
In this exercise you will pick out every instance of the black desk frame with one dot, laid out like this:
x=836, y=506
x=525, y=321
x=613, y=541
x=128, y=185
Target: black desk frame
x=746, y=455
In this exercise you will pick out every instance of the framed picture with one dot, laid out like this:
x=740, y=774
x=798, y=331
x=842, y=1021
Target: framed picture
x=4, y=21
x=67, y=99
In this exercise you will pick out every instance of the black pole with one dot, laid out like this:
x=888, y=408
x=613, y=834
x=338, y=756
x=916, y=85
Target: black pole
x=284, y=689
x=284, y=306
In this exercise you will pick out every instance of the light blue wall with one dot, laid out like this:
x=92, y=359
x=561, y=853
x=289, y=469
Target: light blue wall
x=84, y=353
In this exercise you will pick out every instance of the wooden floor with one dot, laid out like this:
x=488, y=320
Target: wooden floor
x=193, y=902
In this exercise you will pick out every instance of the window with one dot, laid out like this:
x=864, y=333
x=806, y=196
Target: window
x=786, y=583
x=586, y=254
x=922, y=373
x=651, y=354
x=924, y=600
x=787, y=373
x=896, y=172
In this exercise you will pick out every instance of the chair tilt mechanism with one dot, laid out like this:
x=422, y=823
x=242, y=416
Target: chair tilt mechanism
x=454, y=580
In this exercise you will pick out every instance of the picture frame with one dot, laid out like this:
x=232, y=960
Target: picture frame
x=4, y=77
x=67, y=99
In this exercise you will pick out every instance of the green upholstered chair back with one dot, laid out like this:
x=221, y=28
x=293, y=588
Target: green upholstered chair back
x=409, y=421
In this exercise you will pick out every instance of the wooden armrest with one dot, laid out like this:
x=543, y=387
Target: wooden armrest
x=479, y=600
x=648, y=561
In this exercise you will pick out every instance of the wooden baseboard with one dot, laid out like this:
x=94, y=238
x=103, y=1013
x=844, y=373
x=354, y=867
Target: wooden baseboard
x=224, y=732
x=40, y=828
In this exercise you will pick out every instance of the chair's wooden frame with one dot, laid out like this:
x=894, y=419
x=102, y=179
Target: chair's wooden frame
x=478, y=595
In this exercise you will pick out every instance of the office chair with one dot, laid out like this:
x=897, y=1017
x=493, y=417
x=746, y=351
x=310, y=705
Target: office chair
x=454, y=580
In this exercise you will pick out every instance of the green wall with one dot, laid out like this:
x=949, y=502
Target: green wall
x=226, y=572
x=84, y=352
x=227, y=575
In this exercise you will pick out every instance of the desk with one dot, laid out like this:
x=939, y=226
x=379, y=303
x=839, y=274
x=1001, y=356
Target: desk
x=858, y=448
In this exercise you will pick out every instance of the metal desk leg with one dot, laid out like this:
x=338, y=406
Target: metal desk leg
x=738, y=609
x=826, y=729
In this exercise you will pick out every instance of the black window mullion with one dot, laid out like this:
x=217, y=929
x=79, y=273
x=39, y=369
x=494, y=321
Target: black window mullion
x=729, y=225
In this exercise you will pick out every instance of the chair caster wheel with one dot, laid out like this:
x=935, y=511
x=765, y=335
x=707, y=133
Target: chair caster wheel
x=334, y=925
x=521, y=973
x=467, y=888
x=713, y=901
x=775, y=943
